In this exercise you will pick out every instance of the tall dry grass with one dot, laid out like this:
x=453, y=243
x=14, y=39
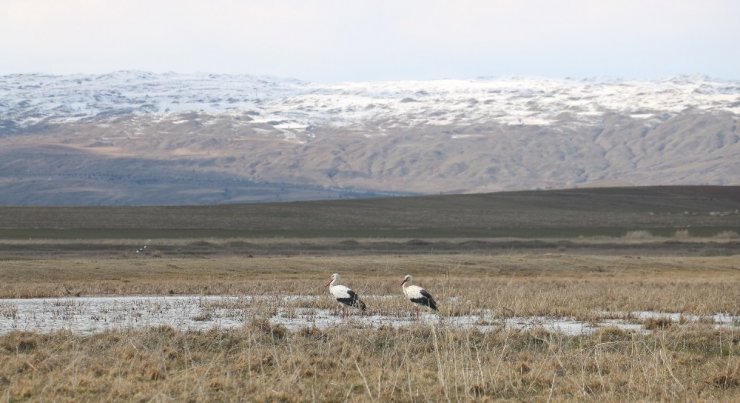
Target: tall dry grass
x=263, y=362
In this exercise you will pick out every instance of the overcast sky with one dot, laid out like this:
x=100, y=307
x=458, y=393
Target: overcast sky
x=339, y=40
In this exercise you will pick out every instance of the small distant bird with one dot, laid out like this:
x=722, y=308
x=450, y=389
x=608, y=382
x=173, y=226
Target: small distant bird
x=417, y=295
x=344, y=295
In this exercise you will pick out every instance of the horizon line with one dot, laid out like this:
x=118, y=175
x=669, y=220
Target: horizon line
x=491, y=77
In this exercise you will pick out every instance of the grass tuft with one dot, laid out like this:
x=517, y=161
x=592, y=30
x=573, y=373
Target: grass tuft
x=727, y=378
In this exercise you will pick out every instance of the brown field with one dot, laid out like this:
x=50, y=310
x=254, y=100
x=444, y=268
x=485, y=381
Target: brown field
x=700, y=211
x=582, y=254
x=548, y=284
x=425, y=362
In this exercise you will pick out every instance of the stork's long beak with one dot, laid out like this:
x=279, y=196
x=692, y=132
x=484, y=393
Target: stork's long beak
x=404, y=281
x=327, y=284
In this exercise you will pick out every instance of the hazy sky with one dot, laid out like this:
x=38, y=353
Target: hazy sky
x=337, y=40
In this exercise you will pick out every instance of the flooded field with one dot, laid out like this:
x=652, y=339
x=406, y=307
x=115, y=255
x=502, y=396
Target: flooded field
x=87, y=315
x=510, y=327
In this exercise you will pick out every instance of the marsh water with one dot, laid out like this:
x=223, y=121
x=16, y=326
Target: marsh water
x=88, y=315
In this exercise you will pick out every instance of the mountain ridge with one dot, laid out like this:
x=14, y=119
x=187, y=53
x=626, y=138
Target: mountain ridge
x=358, y=138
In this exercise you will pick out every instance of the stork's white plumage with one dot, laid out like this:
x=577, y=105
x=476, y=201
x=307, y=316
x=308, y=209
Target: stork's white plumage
x=417, y=295
x=344, y=295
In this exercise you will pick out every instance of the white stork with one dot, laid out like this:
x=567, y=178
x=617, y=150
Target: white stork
x=344, y=295
x=417, y=295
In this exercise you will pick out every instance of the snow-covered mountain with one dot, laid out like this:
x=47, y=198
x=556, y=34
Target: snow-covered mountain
x=294, y=107
x=399, y=136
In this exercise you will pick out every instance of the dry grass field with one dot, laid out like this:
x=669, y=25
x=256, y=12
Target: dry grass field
x=261, y=361
x=595, y=256
x=547, y=284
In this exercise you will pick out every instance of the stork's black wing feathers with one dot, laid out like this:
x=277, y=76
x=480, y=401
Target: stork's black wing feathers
x=356, y=301
x=429, y=299
x=353, y=300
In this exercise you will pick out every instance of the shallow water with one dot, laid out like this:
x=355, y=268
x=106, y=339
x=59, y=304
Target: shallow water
x=97, y=314
x=87, y=315
x=321, y=318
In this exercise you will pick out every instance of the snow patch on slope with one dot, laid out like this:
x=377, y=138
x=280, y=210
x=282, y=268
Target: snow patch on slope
x=293, y=106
